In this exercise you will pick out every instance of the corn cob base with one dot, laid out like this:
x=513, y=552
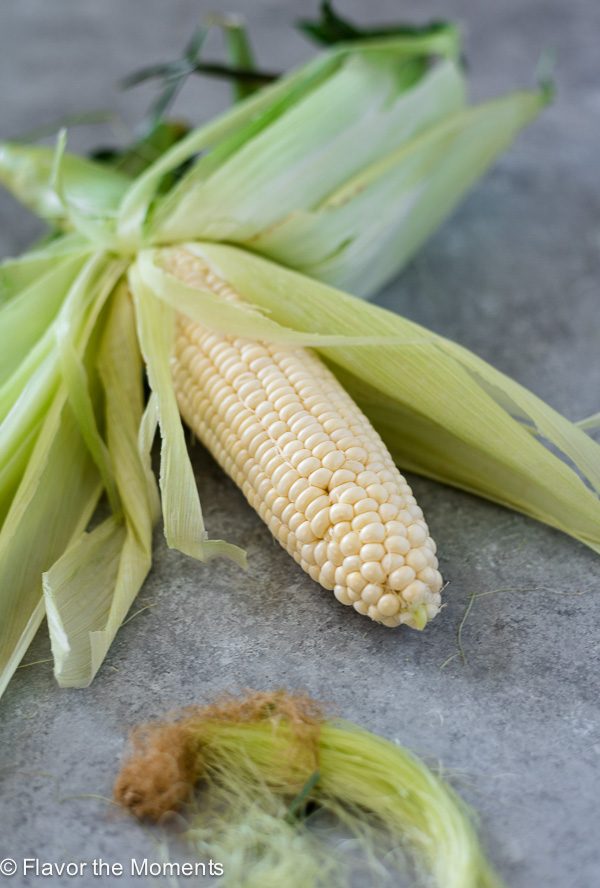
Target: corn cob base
x=309, y=462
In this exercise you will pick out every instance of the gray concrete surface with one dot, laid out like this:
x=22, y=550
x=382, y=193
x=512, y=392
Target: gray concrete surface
x=514, y=275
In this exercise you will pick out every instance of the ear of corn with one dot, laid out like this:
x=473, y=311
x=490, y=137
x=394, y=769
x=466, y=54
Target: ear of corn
x=308, y=461
x=441, y=411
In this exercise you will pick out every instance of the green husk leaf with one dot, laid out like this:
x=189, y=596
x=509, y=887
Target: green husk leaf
x=26, y=395
x=49, y=485
x=367, y=230
x=182, y=513
x=27, y=171
x=247, y=118
x=239, y=51
x=79, y=589
x=25, y=318
x=443, y=411
x=27, y=391
x=53, y=503
x=591, y=423
x=89, y=590
x=228, y=317
x=175, y=81
x=16, y=274
x=133, y=160
x=134, y=209
x=370, y=104
x=82, y=403
x=13, y=468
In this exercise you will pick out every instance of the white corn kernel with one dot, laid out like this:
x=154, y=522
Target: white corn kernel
x=341, y=476
x=431, y=578
x=373, y=572
x=321, y=552
x=320, y=523
x=396, y=528
x=372, y=552
x=308, y=466
x=416, y=535
x=371, y=593
x=387, y=512
x=377, y=492
x=417, y=559
x=320, y=478
x=341, y=512
x=401, y=578
x=364, y=519
x=391, y=562
x=333, y=460
x=372, y=533
x=415, y=593
x=352, y=562
x=366, y=505
x=341, y=593
x=334, y=554
x=307, y=496
x=356, y=581
x=353, y=494
x=317, y=505
x=350, y=544
x=396, y=544
x=388, y=605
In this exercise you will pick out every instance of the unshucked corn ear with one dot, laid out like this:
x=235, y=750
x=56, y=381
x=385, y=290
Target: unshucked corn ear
x=308, y=461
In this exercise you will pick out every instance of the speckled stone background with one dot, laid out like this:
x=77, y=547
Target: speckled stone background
x=514, y=275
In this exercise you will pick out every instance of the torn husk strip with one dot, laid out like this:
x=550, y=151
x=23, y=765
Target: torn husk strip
x=283, y=746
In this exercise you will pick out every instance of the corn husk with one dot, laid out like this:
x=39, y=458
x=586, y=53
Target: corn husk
x=267, y=177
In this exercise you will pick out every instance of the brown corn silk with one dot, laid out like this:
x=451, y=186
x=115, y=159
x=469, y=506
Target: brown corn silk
x=169, y=758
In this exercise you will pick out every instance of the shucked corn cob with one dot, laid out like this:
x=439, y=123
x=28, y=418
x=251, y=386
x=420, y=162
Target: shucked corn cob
x=310, y=463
